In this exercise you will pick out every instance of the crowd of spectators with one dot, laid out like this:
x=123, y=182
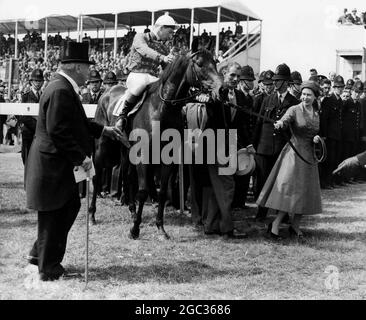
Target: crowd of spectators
x=352, y=18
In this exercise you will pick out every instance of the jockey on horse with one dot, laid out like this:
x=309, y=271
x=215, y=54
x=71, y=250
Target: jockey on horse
x=148, y=52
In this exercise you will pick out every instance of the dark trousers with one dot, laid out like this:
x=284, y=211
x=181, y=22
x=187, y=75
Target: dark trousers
x=334, y=158
x=264, y=165
x=241, y=190
x=26, y=144
x=53, y=228
x=219, y=211
x=197, y=183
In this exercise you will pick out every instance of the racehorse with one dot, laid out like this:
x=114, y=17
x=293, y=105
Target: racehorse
x=163, y=104
x=108, y=153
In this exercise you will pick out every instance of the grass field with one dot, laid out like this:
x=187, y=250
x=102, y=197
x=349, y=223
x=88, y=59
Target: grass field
x=190, y=265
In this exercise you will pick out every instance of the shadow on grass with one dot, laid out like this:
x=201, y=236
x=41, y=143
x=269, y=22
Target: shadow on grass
x=336, y=219
x=12, y=185
x=180, y=272
x=18, y=224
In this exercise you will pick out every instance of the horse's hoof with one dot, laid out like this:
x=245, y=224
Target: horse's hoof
x=134, y=233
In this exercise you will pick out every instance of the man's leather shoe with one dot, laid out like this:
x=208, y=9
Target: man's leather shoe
x=32, y=260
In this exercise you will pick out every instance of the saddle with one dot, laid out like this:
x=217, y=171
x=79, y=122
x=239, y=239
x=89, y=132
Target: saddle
x=118, y=109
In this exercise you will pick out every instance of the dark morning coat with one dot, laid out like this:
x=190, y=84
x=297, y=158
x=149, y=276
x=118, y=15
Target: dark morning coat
x=266, y=140
x=29, y=122
x=64, y=137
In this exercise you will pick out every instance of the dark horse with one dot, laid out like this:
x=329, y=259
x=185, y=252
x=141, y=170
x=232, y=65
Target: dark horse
x=163, y=104
x=108, y=153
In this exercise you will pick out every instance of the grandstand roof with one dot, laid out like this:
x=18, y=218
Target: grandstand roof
x=205, y=12
x=134, y=13
x=56, y=24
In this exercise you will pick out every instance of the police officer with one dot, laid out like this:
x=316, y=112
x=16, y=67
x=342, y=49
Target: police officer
x=95, y=83
x=109, y=80
x=331, y=130
x=351, y=123
x=28, y=123
x=267, y=142
x=295, y=84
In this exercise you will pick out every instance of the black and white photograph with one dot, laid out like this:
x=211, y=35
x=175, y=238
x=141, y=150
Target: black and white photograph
x=203, y=151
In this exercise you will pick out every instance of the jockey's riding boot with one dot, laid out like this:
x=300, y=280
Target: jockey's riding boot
x=121, y=123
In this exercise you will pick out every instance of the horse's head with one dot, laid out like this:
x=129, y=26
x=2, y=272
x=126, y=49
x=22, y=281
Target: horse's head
x=202, y=73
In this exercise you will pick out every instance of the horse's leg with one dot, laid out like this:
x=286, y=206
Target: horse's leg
x=166, y=171
x=141, y=197
x=124, y=185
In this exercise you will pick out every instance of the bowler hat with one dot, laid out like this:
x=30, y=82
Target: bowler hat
x=338, y=81
x=296, y=77
x=110, y=78
x=247, y=73
x=75, y=52
x=268, y=75
x=94, y=76
x=37, y=75
x=282, y=73
x=312, y=85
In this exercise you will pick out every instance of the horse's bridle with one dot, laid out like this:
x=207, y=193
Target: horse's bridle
x=197, y=79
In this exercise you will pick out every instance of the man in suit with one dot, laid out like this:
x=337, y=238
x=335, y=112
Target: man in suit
x=28, y=123
x=63, y=140
x=94, y=82
x=331, y=130
x=243, y=123
x=267, y=141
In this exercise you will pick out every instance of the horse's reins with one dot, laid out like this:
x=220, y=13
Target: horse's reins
x=186, y=99
x=258, y=115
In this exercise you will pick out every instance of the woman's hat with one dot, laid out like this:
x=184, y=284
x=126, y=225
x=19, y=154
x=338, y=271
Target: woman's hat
x=312, y=85
x=75, y=52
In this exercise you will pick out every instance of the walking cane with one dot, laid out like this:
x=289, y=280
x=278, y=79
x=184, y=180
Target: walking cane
x=181, y=183
x=87, y=230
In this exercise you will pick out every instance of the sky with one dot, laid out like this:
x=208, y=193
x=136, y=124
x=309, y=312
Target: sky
x=301, y=33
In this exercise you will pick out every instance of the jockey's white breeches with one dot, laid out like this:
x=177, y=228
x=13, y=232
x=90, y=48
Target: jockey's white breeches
x=137, y=82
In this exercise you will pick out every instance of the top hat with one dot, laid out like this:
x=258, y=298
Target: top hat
x=75, y=52
x=282, y=73
x=94, y=76
x=37, y=75
x=110, y=78
x=268, y=75
x=247, y=73
x=296, y=77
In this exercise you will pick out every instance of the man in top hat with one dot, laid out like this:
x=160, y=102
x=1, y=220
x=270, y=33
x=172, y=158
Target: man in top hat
x=95, y=83
x=267, y=141
x=331, y=130
x=28, y=123
x=110, y=80
x=295, y=84
x=148, y=52
x=64, y=139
